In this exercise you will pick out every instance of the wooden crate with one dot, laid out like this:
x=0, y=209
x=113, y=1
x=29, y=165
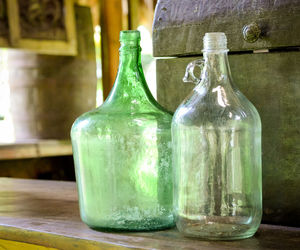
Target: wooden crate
x=270, y=80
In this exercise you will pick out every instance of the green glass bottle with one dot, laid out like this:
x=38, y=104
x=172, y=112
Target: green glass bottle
x=122, y=153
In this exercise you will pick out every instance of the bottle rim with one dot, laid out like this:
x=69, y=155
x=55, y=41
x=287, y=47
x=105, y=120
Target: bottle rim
x=130, y=35
x=214, y=41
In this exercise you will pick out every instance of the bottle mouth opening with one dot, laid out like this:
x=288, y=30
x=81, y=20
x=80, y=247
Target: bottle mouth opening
x=130, y=35
x=214, y=41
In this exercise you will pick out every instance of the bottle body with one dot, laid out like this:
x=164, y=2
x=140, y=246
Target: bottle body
x=123, y=172
x=122, y=153
x=216, y=136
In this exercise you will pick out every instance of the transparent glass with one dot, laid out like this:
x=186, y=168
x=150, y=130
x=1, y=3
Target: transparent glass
x=216, y=136
x=122, y=153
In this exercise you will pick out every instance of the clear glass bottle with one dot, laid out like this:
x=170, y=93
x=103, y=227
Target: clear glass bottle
x=216, y=136
x=122, y=153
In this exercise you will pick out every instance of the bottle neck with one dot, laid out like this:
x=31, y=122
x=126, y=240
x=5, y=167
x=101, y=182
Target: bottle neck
x=129, y=58
x=130, y=86
x=216, y=69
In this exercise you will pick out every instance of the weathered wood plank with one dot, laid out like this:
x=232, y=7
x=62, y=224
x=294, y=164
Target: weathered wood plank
x=34, y=149
x=46, y=213
x=271, y=82
x=179, y=25
x=13, y=245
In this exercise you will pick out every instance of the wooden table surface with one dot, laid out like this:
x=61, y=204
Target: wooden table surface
x=37, y=214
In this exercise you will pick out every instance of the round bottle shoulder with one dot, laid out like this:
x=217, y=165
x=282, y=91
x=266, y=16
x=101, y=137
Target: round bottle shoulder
x=200, y=112
x=97, y=118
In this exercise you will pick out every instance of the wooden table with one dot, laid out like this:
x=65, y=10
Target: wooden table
x=41, y=215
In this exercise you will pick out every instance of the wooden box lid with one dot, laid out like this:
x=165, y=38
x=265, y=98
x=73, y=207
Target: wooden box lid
x=179, y=25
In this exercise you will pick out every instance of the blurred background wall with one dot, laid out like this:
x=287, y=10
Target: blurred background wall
x=59, y=59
